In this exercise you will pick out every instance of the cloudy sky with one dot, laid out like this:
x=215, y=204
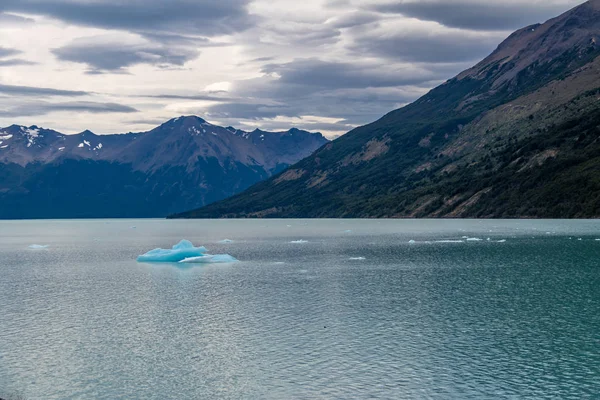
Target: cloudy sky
x=115, y=66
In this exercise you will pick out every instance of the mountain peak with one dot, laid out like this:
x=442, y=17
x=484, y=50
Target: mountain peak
x=186, y=120
x=573, y=35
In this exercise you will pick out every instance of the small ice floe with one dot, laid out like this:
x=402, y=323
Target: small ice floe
x=412, y=241
x=299, y=241
x=134, y=227
x=185, y=252
x=474, y=240
x=449, y=241
x=501, y=241
x=580, y=239
x=489, y=239
x=597, y=240
x=38, y=246
x=289, y=226
x=226, y=241
x=357, y=258
x=348, y=231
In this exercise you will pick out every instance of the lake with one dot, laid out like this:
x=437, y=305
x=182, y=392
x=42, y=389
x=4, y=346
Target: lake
x=362, y=309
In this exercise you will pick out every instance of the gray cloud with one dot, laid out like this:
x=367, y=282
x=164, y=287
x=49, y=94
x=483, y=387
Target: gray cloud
x=13, y=20
x=6, y=52
x=311, y=73
x=193, y=17
x=353, y=92
x=198, y=97
x=110, y=56
x=303, y=34
x=42, y=108
x=478, y=15
x=447, y=47
x=15, y=62
x=14, y=90
x=353, y=19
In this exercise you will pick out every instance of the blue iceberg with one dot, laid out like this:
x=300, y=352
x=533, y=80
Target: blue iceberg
x=185, y=252
x=182, y=250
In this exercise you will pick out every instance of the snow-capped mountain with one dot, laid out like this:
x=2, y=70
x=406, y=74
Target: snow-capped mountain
x=182, y=163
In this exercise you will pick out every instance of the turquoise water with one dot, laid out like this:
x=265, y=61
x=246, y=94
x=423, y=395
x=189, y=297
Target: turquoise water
x=354, y=312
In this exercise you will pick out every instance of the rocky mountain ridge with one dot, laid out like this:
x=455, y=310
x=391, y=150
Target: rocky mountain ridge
x=182, y=163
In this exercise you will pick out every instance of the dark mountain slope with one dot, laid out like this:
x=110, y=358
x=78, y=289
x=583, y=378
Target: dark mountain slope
x=181, y=164
x=512, y=137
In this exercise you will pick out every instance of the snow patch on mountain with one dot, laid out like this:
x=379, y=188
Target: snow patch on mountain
x=31, y=134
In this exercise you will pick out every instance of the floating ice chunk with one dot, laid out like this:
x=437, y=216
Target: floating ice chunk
x=449, y=241
x=299, y=241
x=501, y=241
x=182, y=250
x=225, y=241
x=357, y=258
x=474, y=240
x=597, y=240
x=134, y=227
x=210, y=259
x=38, y=246
x=348, y=231
x=412, y=242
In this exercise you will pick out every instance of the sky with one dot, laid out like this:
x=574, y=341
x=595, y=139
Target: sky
x=117, y=66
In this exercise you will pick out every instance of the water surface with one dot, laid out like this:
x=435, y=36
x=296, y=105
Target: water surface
x=352, y=309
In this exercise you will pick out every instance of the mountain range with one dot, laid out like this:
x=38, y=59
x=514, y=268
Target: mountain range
x=184, y=163
x=517, y=135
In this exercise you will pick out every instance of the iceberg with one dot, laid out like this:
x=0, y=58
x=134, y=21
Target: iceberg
x=185, y=252
x=299, y=241
x=226, y=241
x=357, y=258
x=210, y=259
x=412, y=241
x=39, y=246
x=182, y=250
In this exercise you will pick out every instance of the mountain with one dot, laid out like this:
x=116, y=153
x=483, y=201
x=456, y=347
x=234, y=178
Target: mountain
x=517, y=135
x=184, y=163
